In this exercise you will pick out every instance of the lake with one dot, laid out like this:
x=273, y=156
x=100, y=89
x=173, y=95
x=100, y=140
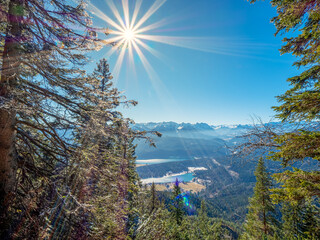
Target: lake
x=183, y=177
x=156, y=161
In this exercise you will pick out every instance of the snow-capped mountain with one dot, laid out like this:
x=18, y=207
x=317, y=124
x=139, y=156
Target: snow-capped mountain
x=197, y=128
x=185, y=140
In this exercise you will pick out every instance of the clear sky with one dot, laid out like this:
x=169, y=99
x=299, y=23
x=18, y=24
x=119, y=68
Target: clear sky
x=222, y=65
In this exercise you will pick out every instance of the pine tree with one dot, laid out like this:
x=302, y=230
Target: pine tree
x=177, y=203
x=103, y=72
x=301, y=101
x=260, y=220
x=299, y=104
x=154, y=201
x=203, y=226
x=42, y=93
x=300, y=220
x=292, y=221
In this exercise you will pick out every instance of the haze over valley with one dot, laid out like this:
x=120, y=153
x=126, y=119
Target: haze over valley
x=199, y=153
x=202, y=154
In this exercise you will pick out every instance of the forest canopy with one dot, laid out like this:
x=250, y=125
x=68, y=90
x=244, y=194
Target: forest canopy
x=67, y=153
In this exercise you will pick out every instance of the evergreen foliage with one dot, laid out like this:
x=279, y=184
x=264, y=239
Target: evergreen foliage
x=154, y=199
x=300, y=220
x=161, y=223
x=297, y=190
x=42, y=91
x=301, y=101
x=260, y=222
x=67, y=166
x=177, y=203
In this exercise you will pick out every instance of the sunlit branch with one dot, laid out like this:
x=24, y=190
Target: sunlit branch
x=114, y=48
x=112, y=40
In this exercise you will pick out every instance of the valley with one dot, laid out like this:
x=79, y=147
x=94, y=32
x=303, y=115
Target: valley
x=198, y=156
x=201, y=155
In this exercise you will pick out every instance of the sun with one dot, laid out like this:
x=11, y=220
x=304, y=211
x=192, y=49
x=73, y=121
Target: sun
x=129, y=35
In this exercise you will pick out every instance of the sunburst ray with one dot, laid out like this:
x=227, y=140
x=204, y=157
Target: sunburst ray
x=156, y=5
x=115, y=12
x=135, y=12
x=130, y=33
x=93, y=9
x=125, y=6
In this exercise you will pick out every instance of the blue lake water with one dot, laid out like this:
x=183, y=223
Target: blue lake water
x=184, y=177
x=156, y=161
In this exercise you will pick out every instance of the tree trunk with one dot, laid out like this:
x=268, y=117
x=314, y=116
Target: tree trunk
x=123, y=193
x=9, y=72
x=265, y=229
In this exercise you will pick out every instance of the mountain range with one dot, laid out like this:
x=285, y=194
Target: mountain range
x=213, y=130
x=186, y=140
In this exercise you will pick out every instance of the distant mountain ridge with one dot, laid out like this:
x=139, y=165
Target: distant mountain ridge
x=187, y=140
x=173, y=126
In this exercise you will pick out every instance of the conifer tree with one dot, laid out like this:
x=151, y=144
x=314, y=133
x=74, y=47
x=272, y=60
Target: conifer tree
x=292, y=220
x=42, y=93
x=154, y=199
x=301, y=101
x=177, y=203
x=298, y=106
x=156, y=226
x=260, y=220
x=300, y=220
x=203, y=219
x=203, y=225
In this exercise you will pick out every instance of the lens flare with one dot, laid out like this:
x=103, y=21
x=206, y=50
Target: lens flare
x=125, y=33
x=128, y=29
x=59, y=44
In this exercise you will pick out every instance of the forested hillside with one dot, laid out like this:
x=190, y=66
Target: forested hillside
x=68, y=153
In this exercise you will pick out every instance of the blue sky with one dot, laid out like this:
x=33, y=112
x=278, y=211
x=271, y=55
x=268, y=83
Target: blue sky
x=233, y=71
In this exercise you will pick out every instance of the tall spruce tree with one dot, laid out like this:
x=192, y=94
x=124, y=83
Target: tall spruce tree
x=42, y=92
x=154, y=201
x=61, y=137
x=260, y=220
x=299, y=106
x=107, y=162
x=177, y=203
x=301, y=101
